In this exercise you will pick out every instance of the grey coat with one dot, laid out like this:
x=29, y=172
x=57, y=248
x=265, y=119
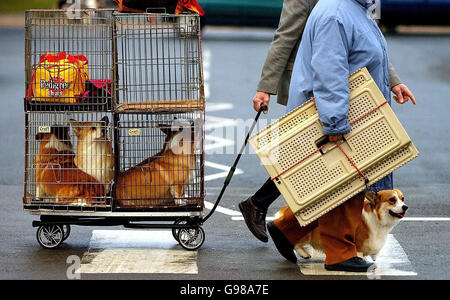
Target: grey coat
x=277, y=69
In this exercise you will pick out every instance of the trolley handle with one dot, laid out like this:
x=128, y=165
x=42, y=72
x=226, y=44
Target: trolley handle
x=233, y=167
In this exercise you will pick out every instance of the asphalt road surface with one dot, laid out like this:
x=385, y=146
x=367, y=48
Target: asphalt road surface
x=233, y=60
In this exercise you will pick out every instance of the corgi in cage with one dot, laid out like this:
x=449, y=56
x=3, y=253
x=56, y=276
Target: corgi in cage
x=94, y=150
x=161, y=178
x=58, y=179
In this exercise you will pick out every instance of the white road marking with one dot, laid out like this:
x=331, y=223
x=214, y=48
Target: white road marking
x=218, y=142
x=137, y=251
x=206, y=73
x=225, y=211
x=224, y=168
x=211, y=106
x=413, y=219
x=425, y=219
x=213, y=122
x=241, y=218
x=392, y=261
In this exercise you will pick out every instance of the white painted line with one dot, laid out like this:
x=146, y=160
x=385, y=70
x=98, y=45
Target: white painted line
x=206, y=58
x=225, y=211
x=419, y=219
x=217, y=142
x=137, y=251
x=392, y=261
x=223, y=174
x=425, y=219
x=241, y=218
x=210, y=106
x=215, y=176
x=213, y=122
x=206, y=74
x=206, y=89
x=217, y=166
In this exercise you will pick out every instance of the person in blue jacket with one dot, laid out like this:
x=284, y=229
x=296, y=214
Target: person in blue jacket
x=339, y=38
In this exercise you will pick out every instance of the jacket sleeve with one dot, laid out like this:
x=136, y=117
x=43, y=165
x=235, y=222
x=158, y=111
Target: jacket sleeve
x=330, y=75
x=292, y=23
x=393, y=76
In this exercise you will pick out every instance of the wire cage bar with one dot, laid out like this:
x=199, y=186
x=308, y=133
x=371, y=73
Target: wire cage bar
x=69, y=160
x=161, y=162
x=68, y=60
x=159, y=63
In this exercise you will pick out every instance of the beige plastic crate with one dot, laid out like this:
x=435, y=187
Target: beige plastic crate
x=313, y=182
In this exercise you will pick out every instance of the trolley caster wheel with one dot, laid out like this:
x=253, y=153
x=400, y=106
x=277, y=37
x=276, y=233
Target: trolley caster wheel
x=191, y=238
x=175, y=230
x=66, y=229
x=50, y=236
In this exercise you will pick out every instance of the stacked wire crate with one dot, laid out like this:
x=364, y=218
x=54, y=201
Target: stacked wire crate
x=160, y=111
x=68, y=110
x=126, y=133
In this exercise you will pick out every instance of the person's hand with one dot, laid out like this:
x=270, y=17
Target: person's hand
x=334, y=138
x=259, y=99
x=402, y=94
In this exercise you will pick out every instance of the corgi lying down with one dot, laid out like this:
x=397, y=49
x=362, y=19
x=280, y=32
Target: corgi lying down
x=381, y=212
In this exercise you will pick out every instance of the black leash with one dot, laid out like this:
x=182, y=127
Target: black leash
x=233, y=168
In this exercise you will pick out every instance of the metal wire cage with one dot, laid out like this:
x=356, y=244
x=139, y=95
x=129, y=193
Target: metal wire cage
x=161, y=162
x=114, y=111
x=159, y=62
x=69, y=161
x=68, y=60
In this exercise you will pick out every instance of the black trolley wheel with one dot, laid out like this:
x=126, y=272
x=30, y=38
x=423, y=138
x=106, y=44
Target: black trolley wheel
x=50, y=236
x=66, y=229
x=191, y=238
x=175, y=230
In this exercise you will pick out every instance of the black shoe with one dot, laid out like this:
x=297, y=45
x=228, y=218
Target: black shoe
x=354, y=264
x=282, y=243
x=255, y=218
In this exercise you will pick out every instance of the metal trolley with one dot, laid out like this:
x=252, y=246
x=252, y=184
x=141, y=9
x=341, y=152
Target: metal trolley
x=114, y=114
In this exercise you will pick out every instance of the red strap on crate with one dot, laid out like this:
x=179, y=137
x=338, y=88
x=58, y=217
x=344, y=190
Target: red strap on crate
x=353, y=163
x=299, y=162
x=342, y=150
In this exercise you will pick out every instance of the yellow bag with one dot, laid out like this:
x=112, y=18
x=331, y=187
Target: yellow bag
x=59, y=78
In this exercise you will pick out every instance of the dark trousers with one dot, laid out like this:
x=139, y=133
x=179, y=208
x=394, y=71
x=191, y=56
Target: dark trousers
x=266, y=195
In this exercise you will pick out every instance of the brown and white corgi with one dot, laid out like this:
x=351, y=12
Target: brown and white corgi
x=94, y=151
x=381, y=212
x=163, y=176
x=57, y=176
